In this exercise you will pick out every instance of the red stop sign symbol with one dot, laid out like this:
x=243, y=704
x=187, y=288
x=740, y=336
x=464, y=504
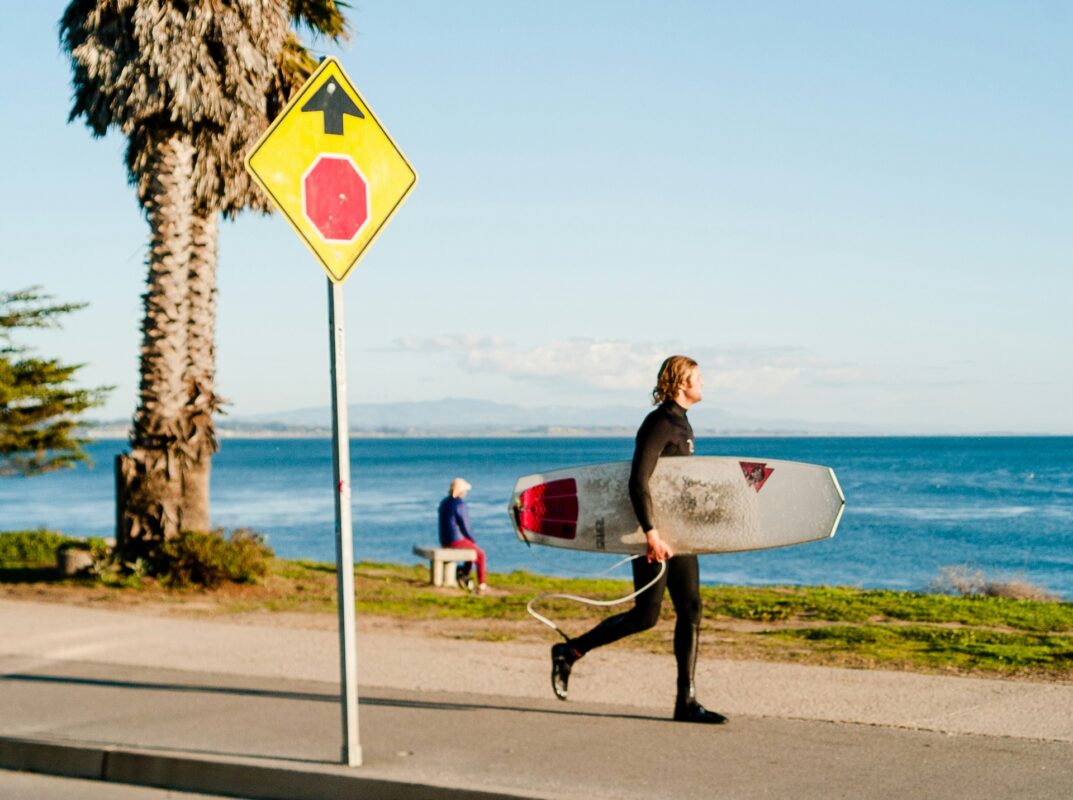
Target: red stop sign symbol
x=335, y=197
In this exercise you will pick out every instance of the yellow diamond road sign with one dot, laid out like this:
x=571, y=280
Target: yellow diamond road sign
x=332, y=169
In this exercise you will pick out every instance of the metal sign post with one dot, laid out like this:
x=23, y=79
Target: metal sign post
x=344, y=542
x=329, y=165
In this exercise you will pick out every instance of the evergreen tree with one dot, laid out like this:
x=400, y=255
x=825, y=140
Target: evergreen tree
x=39, y=408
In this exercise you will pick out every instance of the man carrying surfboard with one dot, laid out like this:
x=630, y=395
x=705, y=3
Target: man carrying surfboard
x=665, y=432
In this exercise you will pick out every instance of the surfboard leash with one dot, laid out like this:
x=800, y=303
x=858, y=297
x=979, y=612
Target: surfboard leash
x=575, y=598
x=588, y=600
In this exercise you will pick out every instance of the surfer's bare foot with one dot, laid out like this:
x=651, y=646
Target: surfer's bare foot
x=693, y=711
x=561, y=664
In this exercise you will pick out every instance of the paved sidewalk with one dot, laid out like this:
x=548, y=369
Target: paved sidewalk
x=250, y=710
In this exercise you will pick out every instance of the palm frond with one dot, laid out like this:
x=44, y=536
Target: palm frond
x=321, y=18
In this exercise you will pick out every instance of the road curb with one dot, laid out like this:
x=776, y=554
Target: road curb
x=263, y=779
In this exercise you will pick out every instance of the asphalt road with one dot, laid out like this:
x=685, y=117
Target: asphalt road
x=437, y=719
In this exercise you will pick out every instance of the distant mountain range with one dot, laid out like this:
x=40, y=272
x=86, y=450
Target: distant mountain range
x=468, y=417
x=461, y=416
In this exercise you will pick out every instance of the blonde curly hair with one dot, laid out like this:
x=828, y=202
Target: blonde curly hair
x=672, y=376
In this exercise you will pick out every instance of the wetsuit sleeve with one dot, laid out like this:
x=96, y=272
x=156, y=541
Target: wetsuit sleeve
x=462, y=517
x=651, y=439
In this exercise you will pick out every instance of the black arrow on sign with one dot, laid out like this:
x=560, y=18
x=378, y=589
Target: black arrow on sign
x=335, y=103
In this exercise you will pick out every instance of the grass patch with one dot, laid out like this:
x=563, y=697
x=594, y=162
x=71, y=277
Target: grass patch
x=823, y=625
x=839, y=604
x=931, y=647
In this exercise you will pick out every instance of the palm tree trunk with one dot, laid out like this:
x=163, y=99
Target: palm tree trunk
x=149, y=478
x=202, y=401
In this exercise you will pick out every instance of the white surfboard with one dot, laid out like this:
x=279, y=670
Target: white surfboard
x=702, y=504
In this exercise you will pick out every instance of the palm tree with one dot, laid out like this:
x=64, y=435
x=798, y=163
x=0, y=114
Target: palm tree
x=191, y=85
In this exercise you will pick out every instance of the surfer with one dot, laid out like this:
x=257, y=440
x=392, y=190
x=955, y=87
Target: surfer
x=665, y=432
x=455, y=531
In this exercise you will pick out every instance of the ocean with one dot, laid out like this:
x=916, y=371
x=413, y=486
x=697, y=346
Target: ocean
x=914, y=505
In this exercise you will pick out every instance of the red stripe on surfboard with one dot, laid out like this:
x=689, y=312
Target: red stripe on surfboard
x=554, y=509
x=564, y=487
x=550, y=509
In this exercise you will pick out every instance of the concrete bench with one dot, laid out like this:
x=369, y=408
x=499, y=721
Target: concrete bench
x=443, y=562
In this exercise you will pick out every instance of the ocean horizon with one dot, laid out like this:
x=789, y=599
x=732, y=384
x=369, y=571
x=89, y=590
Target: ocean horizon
x=915, y=505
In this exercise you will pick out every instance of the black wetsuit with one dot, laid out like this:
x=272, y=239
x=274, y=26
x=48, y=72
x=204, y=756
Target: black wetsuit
x=665, y=432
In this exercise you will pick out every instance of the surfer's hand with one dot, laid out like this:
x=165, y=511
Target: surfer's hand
x=658, y=550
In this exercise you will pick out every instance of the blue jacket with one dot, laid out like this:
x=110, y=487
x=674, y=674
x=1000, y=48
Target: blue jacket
x=454, y=521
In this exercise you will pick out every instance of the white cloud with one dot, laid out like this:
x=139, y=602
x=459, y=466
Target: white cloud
x=597, y=363
x=615, y=365
x=447, y=343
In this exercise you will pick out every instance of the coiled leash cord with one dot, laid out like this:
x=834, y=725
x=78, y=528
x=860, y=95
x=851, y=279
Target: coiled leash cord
x=588, y=600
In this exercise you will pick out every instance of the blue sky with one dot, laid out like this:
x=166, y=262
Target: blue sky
x=848, y=212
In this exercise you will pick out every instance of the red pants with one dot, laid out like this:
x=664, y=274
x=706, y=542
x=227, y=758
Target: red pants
x=468, y=544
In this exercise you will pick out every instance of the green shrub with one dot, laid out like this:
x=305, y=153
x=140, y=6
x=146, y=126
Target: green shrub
x=30, y=548
x=208, y=559
x=94, y=544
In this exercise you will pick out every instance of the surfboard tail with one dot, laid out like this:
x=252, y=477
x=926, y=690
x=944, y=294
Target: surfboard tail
x=547, y=509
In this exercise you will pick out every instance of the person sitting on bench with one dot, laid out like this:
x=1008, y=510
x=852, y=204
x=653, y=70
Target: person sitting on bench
x=455, y=531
